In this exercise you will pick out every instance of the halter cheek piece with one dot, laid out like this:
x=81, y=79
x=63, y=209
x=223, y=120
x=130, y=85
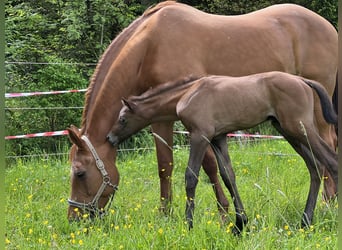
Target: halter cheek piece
x=92, y=207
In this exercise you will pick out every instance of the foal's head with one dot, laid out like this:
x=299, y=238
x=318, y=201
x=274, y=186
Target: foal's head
x=131, y=120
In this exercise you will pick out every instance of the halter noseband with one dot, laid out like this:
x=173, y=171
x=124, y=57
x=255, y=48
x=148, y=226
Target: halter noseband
x=92, y=207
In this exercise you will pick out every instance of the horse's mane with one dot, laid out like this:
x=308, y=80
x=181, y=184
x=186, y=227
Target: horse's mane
x=155, y=8
x=112, y=52
x=163, y=88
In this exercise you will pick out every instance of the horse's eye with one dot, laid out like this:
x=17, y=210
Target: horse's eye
x=122, y=120
x=80, y=174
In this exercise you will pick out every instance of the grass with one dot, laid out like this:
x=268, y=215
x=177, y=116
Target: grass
x=272, y=180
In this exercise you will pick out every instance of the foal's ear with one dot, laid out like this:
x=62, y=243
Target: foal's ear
x=129, y=104
x=74, y=136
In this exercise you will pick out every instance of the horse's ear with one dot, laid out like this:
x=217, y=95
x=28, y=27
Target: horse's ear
x=129, y=104
x=74, y=136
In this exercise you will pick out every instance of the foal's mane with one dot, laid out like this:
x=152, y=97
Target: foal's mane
x=110, y=55
x=165, y=87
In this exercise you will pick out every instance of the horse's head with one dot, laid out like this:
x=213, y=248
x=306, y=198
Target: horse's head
x=94, y=176
x=131, y=120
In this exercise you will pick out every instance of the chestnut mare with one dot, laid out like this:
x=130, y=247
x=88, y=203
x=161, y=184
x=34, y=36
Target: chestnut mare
x=233, y=103
x=173, y=40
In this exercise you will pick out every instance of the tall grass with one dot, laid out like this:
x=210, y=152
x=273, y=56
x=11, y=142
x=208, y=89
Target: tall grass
x=273, y=183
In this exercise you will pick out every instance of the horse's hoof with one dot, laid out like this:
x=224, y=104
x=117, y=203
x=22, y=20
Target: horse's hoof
x=165, y=207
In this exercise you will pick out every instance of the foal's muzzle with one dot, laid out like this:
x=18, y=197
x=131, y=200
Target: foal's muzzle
x=113, y=139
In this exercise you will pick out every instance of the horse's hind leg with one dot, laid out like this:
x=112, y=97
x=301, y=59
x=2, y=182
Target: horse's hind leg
x=328, y=134
x=330, y=187
x=227, y=173
x=210, y=168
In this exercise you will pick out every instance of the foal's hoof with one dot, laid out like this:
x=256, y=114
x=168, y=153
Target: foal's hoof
x=305, y=224
x=236, y=231
x=306, y=221
x=241, y=221
x=190, y=224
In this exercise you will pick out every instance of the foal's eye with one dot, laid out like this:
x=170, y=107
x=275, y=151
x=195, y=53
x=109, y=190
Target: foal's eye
x=122, y=120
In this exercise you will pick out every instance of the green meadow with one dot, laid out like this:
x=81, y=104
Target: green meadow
x=272, y=179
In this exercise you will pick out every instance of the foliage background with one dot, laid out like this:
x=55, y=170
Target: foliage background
x=60, y=42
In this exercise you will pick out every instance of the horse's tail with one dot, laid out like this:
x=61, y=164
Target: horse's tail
x=327, y=107
x=335, y=101
x=335, y=95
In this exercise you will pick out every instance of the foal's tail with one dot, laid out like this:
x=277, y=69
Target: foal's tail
x=328, y=111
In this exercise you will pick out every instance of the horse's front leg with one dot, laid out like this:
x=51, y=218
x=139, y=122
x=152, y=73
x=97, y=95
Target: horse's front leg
x=164, y=135
x=198, y=147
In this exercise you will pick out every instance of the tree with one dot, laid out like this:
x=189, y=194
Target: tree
x=57, y=39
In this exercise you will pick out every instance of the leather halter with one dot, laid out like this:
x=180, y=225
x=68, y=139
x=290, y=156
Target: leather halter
x=92, y=207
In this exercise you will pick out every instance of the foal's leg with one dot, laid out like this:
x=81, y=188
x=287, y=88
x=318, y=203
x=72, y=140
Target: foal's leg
x=315, y=173
x=210, y=168
x=198, y=146
x=228, y=176
x=165, y=167
x=315, y=182
x=165, y=162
